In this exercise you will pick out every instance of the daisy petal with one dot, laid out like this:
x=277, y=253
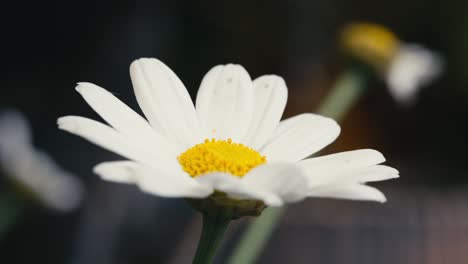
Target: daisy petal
x=326, y=169
x=343, y=161
x=236, y=188
x=300, y=136
x=287, y=180
x=271, y=94
x=165, y=101
x=374, y=173
x=110, y=139
x=351, y=192
x=151, y=180
x=362, y=175
x=116, y=171
x=14, y=130
x=225, y=102
x=119, y=115
x=412, y=67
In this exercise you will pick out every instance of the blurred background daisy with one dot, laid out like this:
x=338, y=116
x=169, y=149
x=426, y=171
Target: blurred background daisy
x=412, y=109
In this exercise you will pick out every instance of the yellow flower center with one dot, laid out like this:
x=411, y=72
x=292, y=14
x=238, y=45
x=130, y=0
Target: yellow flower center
x=371, y=43
x=220, y=156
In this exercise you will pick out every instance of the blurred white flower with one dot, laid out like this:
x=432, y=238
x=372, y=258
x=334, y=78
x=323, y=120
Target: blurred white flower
x=406, y=68
x=412, y=68
x=33, y=169
x=232, y=141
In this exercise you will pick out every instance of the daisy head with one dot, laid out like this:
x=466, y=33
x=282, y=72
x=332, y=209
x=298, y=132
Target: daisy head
x=405, y=67
x=32, y=172
x=228, y=150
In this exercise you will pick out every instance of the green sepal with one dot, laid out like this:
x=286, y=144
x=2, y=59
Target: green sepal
x=228, y=207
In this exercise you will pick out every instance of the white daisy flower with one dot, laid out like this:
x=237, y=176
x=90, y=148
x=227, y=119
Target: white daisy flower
x=33, y=169
x=405, y=67
x=230, y=147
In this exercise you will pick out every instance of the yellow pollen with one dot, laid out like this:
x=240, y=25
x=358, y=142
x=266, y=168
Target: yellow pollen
x=220, y=156
x=371, y=43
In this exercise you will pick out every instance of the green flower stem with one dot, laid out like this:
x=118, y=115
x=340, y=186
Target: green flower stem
x=10, y=209
x=348, y=88
x=214, y=226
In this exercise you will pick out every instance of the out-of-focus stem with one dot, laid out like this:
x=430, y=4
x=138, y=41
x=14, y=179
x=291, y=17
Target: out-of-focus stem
x=10, y=209
x=346, y=91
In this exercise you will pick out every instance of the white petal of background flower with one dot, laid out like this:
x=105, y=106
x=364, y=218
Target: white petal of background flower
x=34, y=169
x=161, y=182
x=300, y=136
x=56, y=187
x=412, y=68
x=271, y=94
x=225, y=102
x=14, y=130
x=165, y=101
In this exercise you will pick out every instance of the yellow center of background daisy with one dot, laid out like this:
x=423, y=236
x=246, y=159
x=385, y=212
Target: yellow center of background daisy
x=220, y=156
x=371, y=43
